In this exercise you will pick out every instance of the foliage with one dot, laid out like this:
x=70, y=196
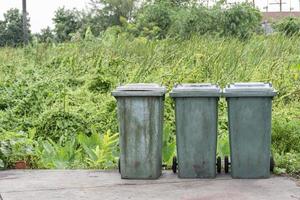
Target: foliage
x=154, y=20
x=61, y=125
x=57, y=155
x=289, y=26
x=162, y=19
x=97, y=151
x=64, y=89
x=286, y=127
x=241, y=20
x=101, y=150
x=169, y=145
x=11, y=29
x=288, y=163
x=195, y=20
x=66, y=22
x=16, y=147
x=46, y=36
x=114, y=9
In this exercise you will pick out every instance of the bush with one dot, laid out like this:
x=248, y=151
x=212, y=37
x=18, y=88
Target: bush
x=154, y=20
x=61, y=125
x=55, y=88
x=289, y=26
x=288, y=163
x=286, y=129
x=160, y=20
x=194, y=20
x=241, y=20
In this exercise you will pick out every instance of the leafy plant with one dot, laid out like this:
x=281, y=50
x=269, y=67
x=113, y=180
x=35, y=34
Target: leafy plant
x=58, y=156
x=169, y=145
x=101, y=150
x=16, y=147
x=48, y=87
x=241, y=20
x=61, y=125
x=288, y=163
x=289, y=26
x=223, y=148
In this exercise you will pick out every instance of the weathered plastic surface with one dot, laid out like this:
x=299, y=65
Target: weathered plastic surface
x=139, y=89
x=249, y=117
x=140, y=126
x=255, y=89
x=196, y=130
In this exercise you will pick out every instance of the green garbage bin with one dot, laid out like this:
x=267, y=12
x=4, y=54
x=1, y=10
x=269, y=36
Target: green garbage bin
x=140, y=114
x=196, y=110
x=249, y=116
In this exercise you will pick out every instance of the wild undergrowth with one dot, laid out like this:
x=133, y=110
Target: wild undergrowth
x=63, y=91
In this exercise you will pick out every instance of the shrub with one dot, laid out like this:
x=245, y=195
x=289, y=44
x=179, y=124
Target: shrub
x=194, y=20
x=288, y=163
x=61, y=125
x=160, y=20
x=154, y=20
x=289, y=26
x=286, y=131
x=17, y=146
x=241, y=20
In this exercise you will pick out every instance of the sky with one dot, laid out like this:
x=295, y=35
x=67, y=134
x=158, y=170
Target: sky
x=41, y=12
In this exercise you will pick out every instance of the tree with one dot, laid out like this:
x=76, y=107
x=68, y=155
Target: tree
x=66, y=23
x=46, y=35
x=11, y=29
x=177, y=3
x=113, y=10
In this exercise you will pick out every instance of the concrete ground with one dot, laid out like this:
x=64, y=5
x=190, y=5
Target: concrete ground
x=107, y=185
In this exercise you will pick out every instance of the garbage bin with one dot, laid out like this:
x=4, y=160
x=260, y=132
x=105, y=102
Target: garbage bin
x=140, y=114
x=249, y=116
x=196, y=111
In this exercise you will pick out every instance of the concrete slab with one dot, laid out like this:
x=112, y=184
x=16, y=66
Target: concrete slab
x=107, y=185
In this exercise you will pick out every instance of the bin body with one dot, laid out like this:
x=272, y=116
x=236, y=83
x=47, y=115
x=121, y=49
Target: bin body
x=140, y=114
x=196, y=111
x=249, y=117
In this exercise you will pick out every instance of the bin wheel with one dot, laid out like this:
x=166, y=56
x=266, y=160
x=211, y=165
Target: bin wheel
x=174, y=165
x=119, y=165
x=219, y=164
x=226, y=164
x=272, y=164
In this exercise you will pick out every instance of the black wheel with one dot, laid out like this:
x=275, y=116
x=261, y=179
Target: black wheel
x=119, y=165
x=219, y=164
x=272, y=164
x=226, y=164
x=174, y=165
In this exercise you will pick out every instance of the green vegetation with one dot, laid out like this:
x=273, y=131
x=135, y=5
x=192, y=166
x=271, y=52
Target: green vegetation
x=289, y=26
x=152, y=19
x=11, y=33
x=55, y=101
x=56, y=110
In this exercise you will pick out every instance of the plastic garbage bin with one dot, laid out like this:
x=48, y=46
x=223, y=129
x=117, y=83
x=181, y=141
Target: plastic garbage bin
x=140, y=114
x=249, y=116
x=196, y=110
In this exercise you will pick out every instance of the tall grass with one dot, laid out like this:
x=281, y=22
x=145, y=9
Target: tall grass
x=62, y=89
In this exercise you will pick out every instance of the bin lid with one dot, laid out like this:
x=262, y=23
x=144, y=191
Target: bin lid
x=139, y=89
x=257, y=89
x=196, y=90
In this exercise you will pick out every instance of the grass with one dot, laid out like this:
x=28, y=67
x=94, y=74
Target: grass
x=64, y=89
